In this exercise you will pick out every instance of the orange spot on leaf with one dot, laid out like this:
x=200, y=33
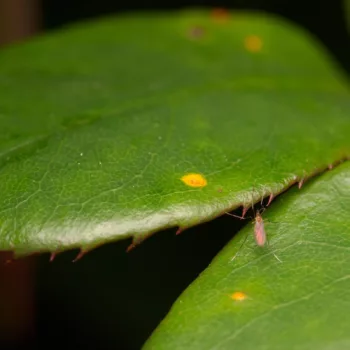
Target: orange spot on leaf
x=220, y=15
x=238, y=296
x=194, y=180
x=253, y=43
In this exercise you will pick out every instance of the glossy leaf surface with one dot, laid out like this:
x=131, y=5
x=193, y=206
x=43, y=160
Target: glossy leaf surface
x=100, y=122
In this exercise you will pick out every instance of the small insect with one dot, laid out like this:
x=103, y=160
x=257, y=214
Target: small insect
x=259, y=230
x=259, y=233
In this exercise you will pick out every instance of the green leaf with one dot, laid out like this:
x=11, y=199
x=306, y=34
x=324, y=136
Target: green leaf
x=301, y=303
x=99, y=122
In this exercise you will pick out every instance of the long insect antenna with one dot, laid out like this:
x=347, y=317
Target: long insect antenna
x=234, y=257
x=262, y=200
x=252, y=197
x=262, y=210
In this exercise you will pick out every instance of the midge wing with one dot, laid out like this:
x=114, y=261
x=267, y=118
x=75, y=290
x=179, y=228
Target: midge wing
x=259, y=232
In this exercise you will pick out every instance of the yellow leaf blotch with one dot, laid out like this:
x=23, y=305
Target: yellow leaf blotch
x=194, y=180
x=238, y=296
x=253, y=43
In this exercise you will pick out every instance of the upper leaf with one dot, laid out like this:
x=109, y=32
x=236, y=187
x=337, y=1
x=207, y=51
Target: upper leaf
x=100, y=122
x=256, y=302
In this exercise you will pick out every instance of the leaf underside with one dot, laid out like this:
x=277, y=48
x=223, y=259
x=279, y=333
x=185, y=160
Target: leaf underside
x=301, y=303
x=101, y=121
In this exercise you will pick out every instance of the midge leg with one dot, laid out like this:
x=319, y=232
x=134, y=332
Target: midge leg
x=234, y=257
x=242, y=218
x=236, y=216
x=259, y=234
x=268, y=244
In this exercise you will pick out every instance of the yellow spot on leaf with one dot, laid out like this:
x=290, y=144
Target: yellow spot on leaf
x=253, y=43
x=194, y=180
x=238, y=296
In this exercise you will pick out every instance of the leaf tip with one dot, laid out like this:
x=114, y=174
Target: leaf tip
x=270, y=199
x=300, y=183
x=244, y=211
x=52, y=257
x=80, y=255
x=130, y=247
x=180, y=230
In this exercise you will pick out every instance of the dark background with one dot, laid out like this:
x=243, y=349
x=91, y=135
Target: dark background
x=110, y=299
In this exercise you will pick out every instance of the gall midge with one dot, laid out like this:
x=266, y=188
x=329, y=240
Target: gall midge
x=259, y=230
x=259, y=233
